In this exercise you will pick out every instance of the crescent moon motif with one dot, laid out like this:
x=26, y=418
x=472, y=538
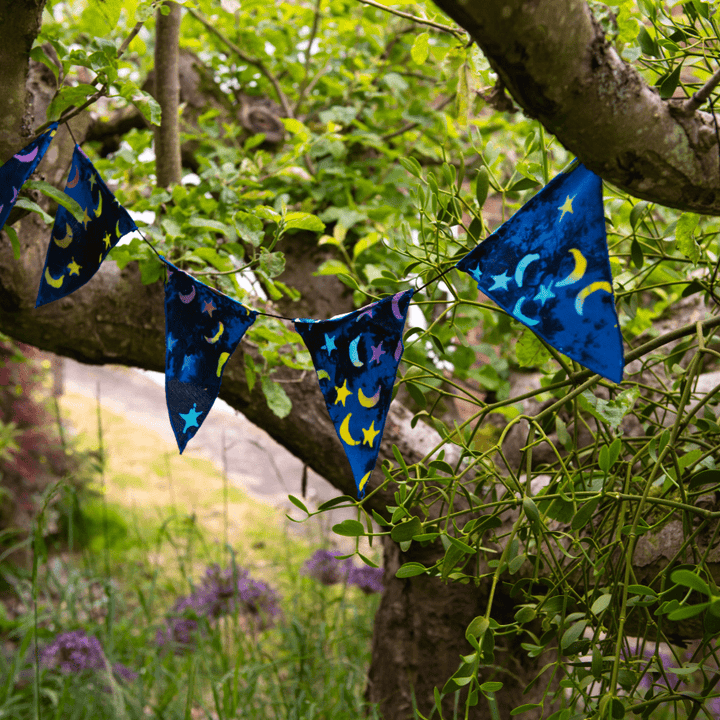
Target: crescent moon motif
x=368, y=402
x=187, y=298
x=72, y=183
x=366, y=477
x=344, y=431
x=221, y=362
x=578, y=272
x=518, y=314
x=323, y=375
x=216, y=336
x=354, y=353
x=520, y=269
x=591, y=288
x=27, y=158
x=63, y=242
x=396, y=307
x=53, y=282
x=398, y=351
x=118, y=231
x=98, y=209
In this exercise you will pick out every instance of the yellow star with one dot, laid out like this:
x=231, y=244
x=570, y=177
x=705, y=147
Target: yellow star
x=85, y=218
x=342, y=393
x=74, y=268
x=369, y=434
x=92, y=181
x=566, y=207
x=106, y=240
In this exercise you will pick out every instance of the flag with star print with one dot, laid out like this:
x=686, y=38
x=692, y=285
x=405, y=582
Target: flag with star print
x=548, y=267
x=356, y=357
x=77, y=249
x=15, y=172
x=202, y=329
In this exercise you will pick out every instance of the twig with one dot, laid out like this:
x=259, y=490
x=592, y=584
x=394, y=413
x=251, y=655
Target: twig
x=246, y=58
x=415, y=19
x=413, y=125
x=700, y=97
x=311, y=40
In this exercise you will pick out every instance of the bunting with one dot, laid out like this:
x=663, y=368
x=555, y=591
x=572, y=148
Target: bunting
x=356, y=357
x=548, y=267
x=77, y=249
x=202, y=329
x=15, y=172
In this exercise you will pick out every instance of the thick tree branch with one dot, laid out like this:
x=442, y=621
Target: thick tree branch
x=556, y=63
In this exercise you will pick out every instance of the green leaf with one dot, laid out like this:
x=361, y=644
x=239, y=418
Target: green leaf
x=14, y=241
x=276, y=398
x=601, y=604
x=647, y=43
x=272, y=263
x=298, y=503
x=583, y=515
x=304, y=221
x=636, y=254
x=412, y=166
x=687, y=611
x=637, y=212
x=691, y=580
x=406, y=530
x=72, y=206
x=420, y=48
x=572, y=634
x=201, y=222
x=148, y=106
x=410, y=569
x=482, y=186
x=477, y=627
x=641, y=590
x=333, y=267
x=669, y=84
x=525, y=708
x=684, y=230
x=523, y=184
x=491, y=686
x=531, y=510
x=26, y=204
x=463, y=94
x=349, y=528
x=530, y=350
x=250, y=374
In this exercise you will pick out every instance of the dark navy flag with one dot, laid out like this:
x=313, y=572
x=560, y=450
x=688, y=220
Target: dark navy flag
x=15, y=172
x=202, y=329
x=548, y=267
x=77, y=249
x=356, y=357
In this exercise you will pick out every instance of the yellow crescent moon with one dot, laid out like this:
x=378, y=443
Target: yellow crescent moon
x=118, y=232
x=216, y=336
x=63, y=242
x=98, y=209
x=344, y=431
x=323, y=375
x=591, y=288
x=364, y=480
x=223, y=359
x=578, y=272
x=368, y=402
x=56, y=283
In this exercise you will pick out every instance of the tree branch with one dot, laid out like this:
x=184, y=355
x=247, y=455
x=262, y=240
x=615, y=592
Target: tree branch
x=420, y=21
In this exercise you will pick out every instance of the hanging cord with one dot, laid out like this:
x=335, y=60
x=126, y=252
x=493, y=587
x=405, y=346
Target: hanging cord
x=67, y=125
x=717, y=139
x=435, y=279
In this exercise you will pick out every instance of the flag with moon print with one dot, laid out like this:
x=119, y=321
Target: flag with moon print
x=15, y=172
x=356, y=357
x=548, y=267
x=202, y=329
x=77, y=249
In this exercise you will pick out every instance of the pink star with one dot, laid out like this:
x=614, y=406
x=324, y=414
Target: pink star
x=208, y=307
x=377, y=352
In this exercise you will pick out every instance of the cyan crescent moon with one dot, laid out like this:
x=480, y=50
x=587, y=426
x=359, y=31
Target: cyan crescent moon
x=63, y=242
x=591, y=288
x=518, y=314
x=323, y=375
x=368, y=402
x=520, y=269
x=53, y=282
x=396, y=307
x=578, y=272
x=366, y=477
x=344, y=431
x=354, y=353
x=187, y=298
x=72, y=183
x=27, y=158
x=216, y=336
x=221, y=362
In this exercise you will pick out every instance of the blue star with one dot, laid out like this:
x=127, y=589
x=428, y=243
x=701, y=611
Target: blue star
x=190, y=418
x=171, y=342
x=188, y=363
x=476, y=274
x=329, y=345
x=545, y=293
x=501, y=282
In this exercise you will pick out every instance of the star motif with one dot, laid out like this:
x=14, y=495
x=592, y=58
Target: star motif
x=377, y=352
x=187, y=363
x=369, y=312
x=171, y=342
x=342, y=393
x=92, y=181
x=369, y=434
x=545, y=293
x=567, y=207
x=329, y=345
x=500, y=282
x=190, y=418
x=85, y=218
x=476, y=274
x=74, y=268
x=106, y=240
x=208, y=307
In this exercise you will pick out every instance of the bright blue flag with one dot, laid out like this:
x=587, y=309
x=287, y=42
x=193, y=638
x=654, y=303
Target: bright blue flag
x=548, y=267
x=15, y=172
x=202, y=329
x=356, y=358
x=77, y=249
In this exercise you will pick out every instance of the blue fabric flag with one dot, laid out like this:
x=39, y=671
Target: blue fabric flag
x=356, y=357
x=15, y=172
x=202, y=329
x=548, y=267
x=77, y=249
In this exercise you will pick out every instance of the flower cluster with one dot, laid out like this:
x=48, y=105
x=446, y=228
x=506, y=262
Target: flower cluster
x=73, y=652
x=222, y=592
x=326, y=567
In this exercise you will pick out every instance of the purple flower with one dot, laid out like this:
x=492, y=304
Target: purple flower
x=368, y=579
x=325, y=567
x=124, y=672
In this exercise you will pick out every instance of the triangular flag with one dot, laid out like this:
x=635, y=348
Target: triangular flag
x=548, y=267
x=15, y=172
x=356, y=357
x=77, y=249
x=202, y=329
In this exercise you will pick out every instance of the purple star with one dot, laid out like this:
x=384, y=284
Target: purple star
x=377, y=352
